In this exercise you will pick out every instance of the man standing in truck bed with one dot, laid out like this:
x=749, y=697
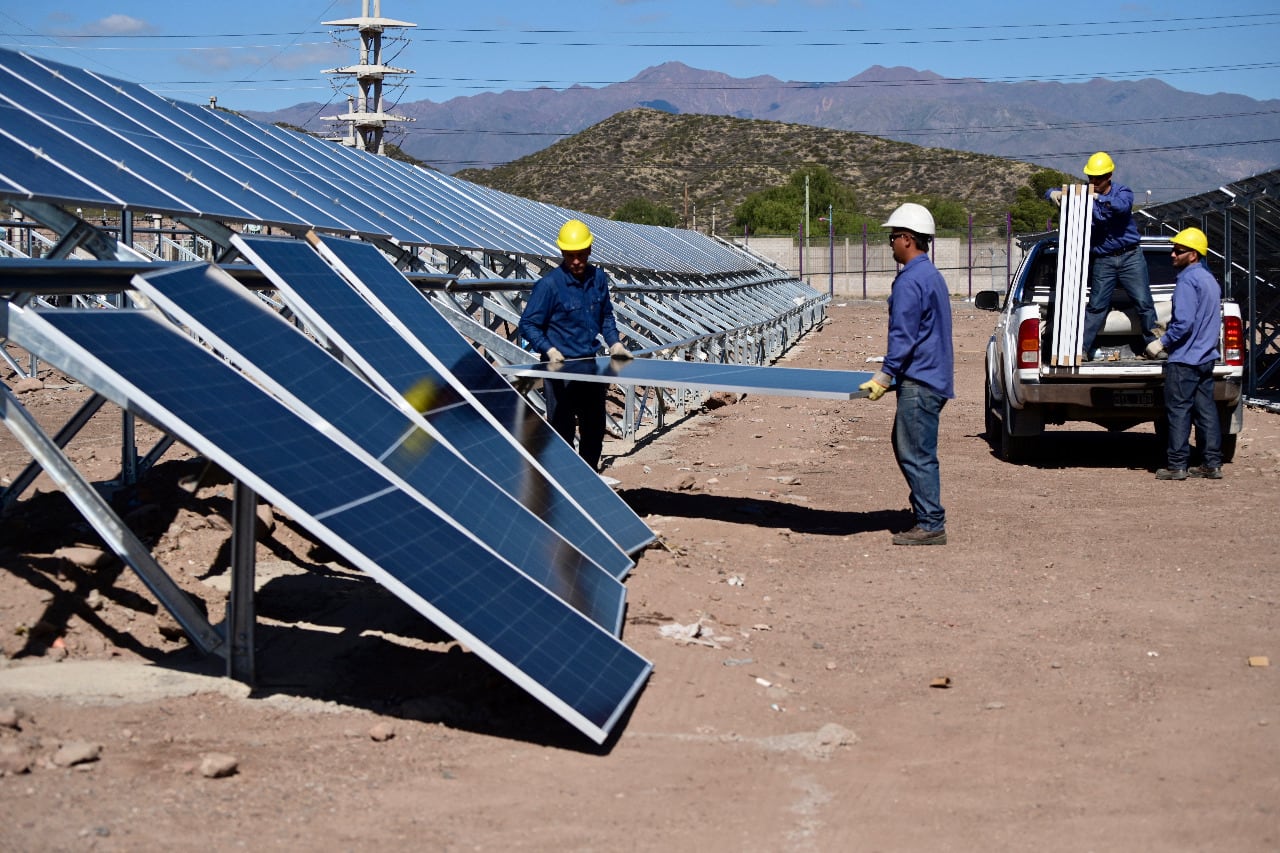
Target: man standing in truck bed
x=1115, y=256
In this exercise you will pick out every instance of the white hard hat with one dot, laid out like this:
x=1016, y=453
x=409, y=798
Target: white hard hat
x=913, y=217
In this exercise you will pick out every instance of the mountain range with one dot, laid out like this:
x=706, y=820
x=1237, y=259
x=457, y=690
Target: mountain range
x=1166, y=141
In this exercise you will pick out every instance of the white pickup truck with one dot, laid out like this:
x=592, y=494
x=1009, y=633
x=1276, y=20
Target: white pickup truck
x=1117, y=389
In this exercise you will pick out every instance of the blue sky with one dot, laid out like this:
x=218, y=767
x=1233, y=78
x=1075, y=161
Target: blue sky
x=269, y=54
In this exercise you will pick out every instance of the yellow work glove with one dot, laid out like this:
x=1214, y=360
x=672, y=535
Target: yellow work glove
x=877, y=385
x=619, y=351
x=554, y=355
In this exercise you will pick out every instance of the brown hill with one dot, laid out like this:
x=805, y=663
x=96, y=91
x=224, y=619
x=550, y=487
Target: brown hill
x=646, y=153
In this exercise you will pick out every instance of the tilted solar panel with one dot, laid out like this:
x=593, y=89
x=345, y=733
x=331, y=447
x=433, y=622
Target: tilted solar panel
x=318, y=294
x=557, y=655
x=370, y=272
x=742, y=378
x=267, y=347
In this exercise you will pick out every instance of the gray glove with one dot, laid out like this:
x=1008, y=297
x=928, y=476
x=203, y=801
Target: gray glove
x=554, y=355
x=1155, y=350
x=1056, y=197
x=619, y=351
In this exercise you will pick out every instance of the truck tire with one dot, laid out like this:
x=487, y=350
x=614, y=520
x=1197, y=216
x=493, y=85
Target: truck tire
x=1013, y=448
x=992, y=417
x=1231, y=420
x=1228, y=448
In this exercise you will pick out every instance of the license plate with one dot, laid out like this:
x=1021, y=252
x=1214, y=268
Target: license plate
x=1133, y=398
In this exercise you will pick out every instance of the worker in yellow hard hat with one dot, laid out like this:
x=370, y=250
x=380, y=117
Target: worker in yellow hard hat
x=1115, y=256
x=568, y=312
x=1191, y=342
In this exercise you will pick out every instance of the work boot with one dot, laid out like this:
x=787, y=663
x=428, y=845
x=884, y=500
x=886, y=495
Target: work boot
x=1204, y=472
x=919, y=536
x=1171, y=474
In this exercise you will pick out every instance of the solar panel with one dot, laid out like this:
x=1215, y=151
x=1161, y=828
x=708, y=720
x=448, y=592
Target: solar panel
x=318, y=294
x=370, y=272
x=264, y=345
x=569, y=663
x=743, y=378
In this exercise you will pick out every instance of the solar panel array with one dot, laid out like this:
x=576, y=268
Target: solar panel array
x=381, y=429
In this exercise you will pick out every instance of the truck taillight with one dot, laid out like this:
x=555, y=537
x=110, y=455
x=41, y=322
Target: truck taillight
x=1029, y=344
x=1233, y=341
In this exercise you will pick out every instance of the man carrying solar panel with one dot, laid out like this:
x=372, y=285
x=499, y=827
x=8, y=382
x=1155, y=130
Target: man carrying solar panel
x=920, y=365
x=568, y=311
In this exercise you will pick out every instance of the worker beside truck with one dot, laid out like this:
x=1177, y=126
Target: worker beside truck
x=1191, y=342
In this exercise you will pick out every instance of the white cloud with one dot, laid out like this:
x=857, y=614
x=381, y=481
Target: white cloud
x=115, y=25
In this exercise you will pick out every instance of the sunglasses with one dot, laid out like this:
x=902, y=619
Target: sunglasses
x=1182, y=250
x=893, y=237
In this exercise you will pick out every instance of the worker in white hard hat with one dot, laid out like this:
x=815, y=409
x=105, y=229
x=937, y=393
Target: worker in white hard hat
x=1115, y=256
x=1191, y=342
x=568, y=311
x=920, y=365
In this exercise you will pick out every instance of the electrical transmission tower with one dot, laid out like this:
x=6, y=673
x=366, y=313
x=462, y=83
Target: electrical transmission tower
x=366, y=117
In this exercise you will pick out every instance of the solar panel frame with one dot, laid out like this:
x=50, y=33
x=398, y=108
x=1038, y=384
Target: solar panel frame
x=394, y=365
x=561, y=658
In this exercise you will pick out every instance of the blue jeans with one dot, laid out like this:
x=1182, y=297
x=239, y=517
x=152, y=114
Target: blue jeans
x=915, y=446
x=1130, y=272
x=1188, y=395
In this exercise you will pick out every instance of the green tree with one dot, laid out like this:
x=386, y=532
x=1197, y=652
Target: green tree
x=780, y=210
x=1032, y=212
x=645, y=212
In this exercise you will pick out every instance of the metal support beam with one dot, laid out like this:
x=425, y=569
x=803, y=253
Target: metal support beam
x=241, y=612
x=108, y=525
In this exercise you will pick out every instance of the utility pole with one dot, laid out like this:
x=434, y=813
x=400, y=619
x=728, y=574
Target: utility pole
x=366, y=116
x=804, y=249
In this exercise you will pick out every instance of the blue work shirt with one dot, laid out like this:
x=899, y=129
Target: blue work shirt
x=568, y=314
x=1113, y=226
x=920, y=328
x=1196, y=324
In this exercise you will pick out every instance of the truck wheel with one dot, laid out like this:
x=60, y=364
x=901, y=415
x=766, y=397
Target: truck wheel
x=1013, y=448
x=1229, y=448
x=992, y=418
x=1231, y=421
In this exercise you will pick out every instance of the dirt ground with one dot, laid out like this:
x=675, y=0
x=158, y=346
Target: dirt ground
x=1071, y=672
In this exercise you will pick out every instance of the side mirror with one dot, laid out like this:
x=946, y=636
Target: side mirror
x=987, y=300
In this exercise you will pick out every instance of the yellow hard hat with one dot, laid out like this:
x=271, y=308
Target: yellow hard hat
x=574, y=236
x=1192, y=238
x=1099, y=164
